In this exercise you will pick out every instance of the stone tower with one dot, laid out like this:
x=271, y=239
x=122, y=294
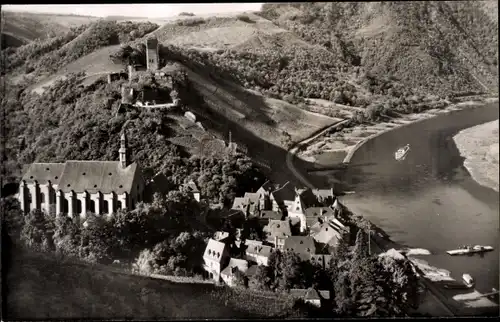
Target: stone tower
x=152, y=54
x=123, y=151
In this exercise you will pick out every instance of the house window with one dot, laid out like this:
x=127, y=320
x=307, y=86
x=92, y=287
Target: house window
x=118, y=204
x=42, y=198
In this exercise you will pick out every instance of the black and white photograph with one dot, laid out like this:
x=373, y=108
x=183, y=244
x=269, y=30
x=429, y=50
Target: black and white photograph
x=218, y=160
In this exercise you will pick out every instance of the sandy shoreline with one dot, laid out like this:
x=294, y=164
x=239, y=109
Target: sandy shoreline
x=341, y=146
x=479, y=146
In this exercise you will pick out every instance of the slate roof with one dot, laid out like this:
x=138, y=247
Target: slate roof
x=240, y=203
x=43, y=173
x=323, y=193
x=252, y=242
x=214, y=250
x=252, y=270
x=240, y=264
x=260, y=250
x=322, y=260
x=310, y=294
x=94, y=176
x=191, y=185
x=326, y=234
x=301, y=245
x=220, y=235
x=269, y=214
x=80, y=176
x=278, y=228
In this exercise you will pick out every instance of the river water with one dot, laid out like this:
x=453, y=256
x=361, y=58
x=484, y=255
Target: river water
x=429, y=200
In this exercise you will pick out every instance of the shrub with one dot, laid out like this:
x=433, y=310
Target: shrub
x=244, y=18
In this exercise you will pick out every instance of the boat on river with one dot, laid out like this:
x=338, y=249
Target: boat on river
x=468, y=282
x=401, y=153
x=464, y=250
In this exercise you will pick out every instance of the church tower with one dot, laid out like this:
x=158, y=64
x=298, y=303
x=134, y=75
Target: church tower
x=123, y=151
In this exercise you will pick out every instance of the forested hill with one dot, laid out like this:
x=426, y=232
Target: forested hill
x=439, y=46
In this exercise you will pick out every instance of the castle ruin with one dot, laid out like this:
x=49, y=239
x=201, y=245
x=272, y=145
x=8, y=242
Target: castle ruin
x=152, y=58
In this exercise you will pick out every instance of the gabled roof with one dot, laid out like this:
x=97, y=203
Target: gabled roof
x=301, y=245
x=80, y=176
x=319, y=211
x=278, y=228
x=259, y=250
x=252, y=242
x=43, y=173
x=310, y=294
x=220, y=235
x=240, y=203
x=252, y=270
x=316, y=214
x=323, y=193
x=326, y=234
x=214, y=250
x=94, y=176
x=191, y=185
x=239, y=264
x=321, y=259
x=269, y=214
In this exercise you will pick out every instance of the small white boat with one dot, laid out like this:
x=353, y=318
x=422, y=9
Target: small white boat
x=468, y=280
x=401, y=153
x=464, y=250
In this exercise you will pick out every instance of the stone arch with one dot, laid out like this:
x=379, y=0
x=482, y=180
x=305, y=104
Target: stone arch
x=91, y=206
x=105, y=207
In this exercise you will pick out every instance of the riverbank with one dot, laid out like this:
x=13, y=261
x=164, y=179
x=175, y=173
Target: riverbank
x=479, y=146
x=340, y=146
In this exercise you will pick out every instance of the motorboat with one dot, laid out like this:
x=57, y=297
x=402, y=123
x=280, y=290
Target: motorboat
x=468, y=280
x=401, y=153
x=464, y=250
x=467, y=283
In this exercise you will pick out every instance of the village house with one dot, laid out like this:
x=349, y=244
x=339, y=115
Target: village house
x=266, y=215
x=327, y=235
x=192, y=187
x=277, y=231
x=314, y=215
x=221, y=235
x=79, y=187
x=311, y=296
x=258, y=253
x=301, y=245
x=216, y=257
x=229, y=274
x=321, y=260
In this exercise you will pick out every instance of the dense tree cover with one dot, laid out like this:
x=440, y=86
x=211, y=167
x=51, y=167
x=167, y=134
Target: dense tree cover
x=70, y=122
x=441, y=47
x=50, y=55
x=360, y=284
x=167, y=227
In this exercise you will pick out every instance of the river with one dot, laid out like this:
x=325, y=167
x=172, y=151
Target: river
x=429, y=200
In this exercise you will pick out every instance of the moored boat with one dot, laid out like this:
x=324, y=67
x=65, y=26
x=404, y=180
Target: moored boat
x=468, y=280
x=401, y=153
x=464, y=250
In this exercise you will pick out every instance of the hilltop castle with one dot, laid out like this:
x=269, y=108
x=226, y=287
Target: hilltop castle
x=78, y=187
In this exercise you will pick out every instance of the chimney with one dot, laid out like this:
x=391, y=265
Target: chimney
x=276, y=241
x=109, y=78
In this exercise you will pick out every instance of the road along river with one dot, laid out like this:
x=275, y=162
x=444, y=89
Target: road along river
x=429, y=200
